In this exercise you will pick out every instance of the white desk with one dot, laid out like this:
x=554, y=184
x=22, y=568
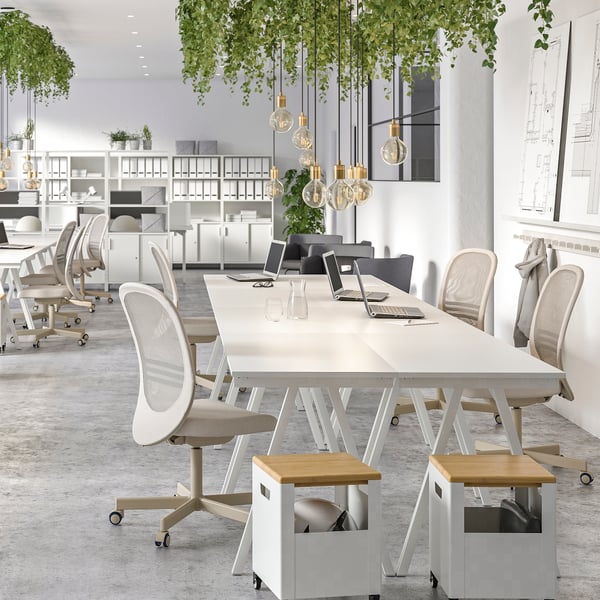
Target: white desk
x=12, y=262
x=340, y=346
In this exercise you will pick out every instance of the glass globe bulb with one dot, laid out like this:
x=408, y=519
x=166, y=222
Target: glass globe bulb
x=314, y=193
x=7, y=161
x=302, y=138
x=362, y=192
x=3, y=182
x=27, y=165
x=339, y=194
x=306, y=158
x=274, y=188
x=281, y=119
x=35, y=182
x=394, y=151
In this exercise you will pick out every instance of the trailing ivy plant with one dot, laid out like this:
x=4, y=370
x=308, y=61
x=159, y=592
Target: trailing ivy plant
x=31, y=60
x=299, y=217
x=238, y=38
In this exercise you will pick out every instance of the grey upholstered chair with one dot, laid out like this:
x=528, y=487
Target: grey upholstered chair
x=395, y=271
x=298, y=244
x=166, y=410
x=345, y=254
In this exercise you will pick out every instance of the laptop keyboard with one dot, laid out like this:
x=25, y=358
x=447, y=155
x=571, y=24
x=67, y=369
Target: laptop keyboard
x=389, y=310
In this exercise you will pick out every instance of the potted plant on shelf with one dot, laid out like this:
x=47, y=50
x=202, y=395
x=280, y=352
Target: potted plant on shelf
x=118, y=139
x=133, y=141
x=28, y=134
x=15, y=141
x=146, y=138
x=299, y=217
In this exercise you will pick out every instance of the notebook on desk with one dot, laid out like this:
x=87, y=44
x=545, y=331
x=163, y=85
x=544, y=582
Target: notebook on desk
x=386, y=311
x=4, y=241
x=271, y=268
x=335, y=282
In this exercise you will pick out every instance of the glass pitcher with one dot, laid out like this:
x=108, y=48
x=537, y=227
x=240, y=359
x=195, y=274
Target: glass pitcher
x=297, y=307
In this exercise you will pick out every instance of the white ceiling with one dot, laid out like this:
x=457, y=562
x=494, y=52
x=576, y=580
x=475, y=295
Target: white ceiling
x=97, y=35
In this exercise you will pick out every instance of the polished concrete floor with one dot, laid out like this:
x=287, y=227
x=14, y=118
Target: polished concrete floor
x=66, y=452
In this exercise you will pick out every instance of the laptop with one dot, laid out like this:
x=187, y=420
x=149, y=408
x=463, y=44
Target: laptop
x=271, y=268
x=385, y=311
x=4, y=245
x=335, y=282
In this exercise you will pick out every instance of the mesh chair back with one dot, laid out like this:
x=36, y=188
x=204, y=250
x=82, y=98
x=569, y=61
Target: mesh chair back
x=96, y=236
x=395, y=271
x=61, y=249
x=73, y=254
x=551, y=317
x=166, y=389
x=467, y=284
x=166, y=273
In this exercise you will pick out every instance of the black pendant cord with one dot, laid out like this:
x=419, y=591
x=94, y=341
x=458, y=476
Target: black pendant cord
x=1, y=109
x=350, y=144
x=394, y=72
x=274, y=105
x=339, y=82
x=315, y=82
x=301, y=73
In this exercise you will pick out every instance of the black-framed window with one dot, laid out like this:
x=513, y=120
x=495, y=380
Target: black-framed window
x=419, y=118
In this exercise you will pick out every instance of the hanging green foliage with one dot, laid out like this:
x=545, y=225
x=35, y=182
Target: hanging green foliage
x=239, y=38
x=31, y=60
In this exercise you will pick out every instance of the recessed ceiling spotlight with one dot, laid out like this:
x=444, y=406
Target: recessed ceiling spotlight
x=134, y=33
x=131, y=16
x=146, y=74
x=144, y=66
x=138, y=46
x=141, y=57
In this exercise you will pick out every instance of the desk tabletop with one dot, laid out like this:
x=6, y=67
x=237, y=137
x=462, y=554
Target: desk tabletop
x=339, y=343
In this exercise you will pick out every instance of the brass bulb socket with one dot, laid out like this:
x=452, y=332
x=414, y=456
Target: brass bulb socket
x=394, y=129
x=281, y=101
x=360, y=172
x=274, y=173
x=339, y=171
x=2, y=174
x=350, y=172
x=302, y=120
x=315, y=172
x=7, y=153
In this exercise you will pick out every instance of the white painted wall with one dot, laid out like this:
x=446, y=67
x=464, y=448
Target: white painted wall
x=516, y=33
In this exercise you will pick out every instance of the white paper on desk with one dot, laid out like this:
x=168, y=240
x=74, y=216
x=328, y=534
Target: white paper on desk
x=410, y=322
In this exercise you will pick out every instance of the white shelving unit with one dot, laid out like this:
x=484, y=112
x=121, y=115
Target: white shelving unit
x=230, y=216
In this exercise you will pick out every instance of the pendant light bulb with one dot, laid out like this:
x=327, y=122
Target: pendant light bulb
x=394, y=151
x=274, y=187
x=362, y=190
x=307, y=158
x=339, y=194
x=314, y=193
x=281, y=119
x=27, y=165
x=3, y=182
x=302, y=138
x=7, y=161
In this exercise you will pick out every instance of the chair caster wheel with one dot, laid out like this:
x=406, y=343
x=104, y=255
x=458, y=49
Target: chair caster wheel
x=162, y=539
x=96, y=297
x=498, y=419
x=395, y=420
x=85, y=336
x=256, y=581
x=115, y=517
x=67, y=325
x=110, y=300
x=433, y=580
x=77, y=320
x=585, y=478
x=81, y=342
x=36, y=345
x=92, y=308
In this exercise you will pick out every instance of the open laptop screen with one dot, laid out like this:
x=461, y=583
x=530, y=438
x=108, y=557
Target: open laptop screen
x=274, y=259
x=333, y=272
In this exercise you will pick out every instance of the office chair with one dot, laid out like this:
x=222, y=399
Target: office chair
x=312, y=265
x=345, y=254
x=395, y=271
x=54, y=296
x=200, y=330
x=166, y=410
x=297, y=246
x=91, y=256
x=548, y=329
x=464, y=294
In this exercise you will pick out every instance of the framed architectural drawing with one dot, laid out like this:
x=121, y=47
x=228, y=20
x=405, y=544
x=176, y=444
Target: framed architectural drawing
x=538, y=187
x=580, y=199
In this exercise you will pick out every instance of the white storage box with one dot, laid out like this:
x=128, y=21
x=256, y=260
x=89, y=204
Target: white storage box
x=154, y=194
x=312, y=565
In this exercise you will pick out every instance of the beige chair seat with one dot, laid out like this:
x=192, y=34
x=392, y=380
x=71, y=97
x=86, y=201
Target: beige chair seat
x=52, y=292
x=200, y=327
x=515, y=397
x=44, y=276
x=210, y=418
x=86, y=264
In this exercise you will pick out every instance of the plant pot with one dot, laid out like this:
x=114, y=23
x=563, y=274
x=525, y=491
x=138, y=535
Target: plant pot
x=134, y=144
x=147, y=144
x=15, y=144
x=28, y=145
x=120, y=145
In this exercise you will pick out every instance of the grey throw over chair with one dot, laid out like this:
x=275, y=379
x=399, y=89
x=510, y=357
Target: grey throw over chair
x=464, y=294
x=395, y=271
x=166, y=410
x=345, y=254
x=200, y=330
x=546, y=338
x=297, y=247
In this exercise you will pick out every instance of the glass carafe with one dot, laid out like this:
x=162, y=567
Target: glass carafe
x=297, y=307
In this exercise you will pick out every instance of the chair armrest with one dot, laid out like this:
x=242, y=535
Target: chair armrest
x=292, y=252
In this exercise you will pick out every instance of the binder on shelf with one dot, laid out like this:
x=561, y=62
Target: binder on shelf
x=164, y=167
x=228, y=167
x=193, y=172
x=265, y=167
x=148, y=167
x=243, y=167
x=185, y=167
x=176, y=167
x=235, y=167
x=156, y=167
x=64, y=167
x=214, y=167
x=192, y=190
